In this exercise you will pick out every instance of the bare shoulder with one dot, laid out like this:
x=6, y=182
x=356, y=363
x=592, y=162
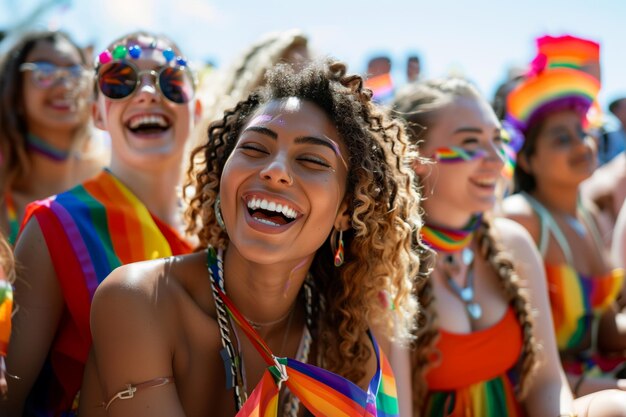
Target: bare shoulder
x=518, y=209
x=515, y=237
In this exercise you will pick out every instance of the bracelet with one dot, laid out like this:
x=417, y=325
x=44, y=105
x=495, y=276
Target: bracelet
x=579, y=383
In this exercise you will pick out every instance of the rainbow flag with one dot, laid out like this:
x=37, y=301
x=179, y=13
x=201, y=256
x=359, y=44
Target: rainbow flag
x=568, y=51
x=14, y=223
x=90, y=230
x=381, y=86
x=575, y=299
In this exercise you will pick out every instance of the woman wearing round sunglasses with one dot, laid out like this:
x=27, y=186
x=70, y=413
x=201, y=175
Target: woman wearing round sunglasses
x=45, y=134
x=129, y=212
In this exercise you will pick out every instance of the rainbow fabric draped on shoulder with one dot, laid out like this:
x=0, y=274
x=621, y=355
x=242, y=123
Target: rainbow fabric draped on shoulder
x=89, y=230
x=550, y=90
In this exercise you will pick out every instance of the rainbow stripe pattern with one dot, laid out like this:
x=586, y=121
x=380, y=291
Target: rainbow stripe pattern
x=6, y=308
x=493, y=398
x=14, y=223
x=575, y=300
x=442, y=239
x=89, y=231
x=381, y=86
x=322, y=392
x=548, y=91
x=454, y=154
x=568, y=51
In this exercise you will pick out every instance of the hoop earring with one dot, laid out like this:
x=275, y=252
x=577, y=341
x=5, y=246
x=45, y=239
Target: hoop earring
x=337, y=248
x=217, y=208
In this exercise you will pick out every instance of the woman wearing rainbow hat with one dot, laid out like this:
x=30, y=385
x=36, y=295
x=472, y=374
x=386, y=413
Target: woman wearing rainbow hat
x=485, y=344
x=550, y=108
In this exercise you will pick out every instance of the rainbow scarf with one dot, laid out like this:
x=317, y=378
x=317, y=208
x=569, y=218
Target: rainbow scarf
x=575, y=299
x=6, y=307
x=442, y=239
x=14, y=223
x=90, y=230
x=323, y=393
x=493, y=398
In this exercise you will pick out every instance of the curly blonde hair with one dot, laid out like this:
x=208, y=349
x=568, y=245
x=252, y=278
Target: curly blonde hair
x=379, y=256
x=419, y=104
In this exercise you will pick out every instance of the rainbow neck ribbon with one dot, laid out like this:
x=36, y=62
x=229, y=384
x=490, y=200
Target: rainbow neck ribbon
x=14, y=224
x=40, y=146
x=442, y=239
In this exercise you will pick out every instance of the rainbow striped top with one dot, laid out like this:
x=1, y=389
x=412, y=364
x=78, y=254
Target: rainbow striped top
x=322, y=392
x=575, y=299
x=89, y=230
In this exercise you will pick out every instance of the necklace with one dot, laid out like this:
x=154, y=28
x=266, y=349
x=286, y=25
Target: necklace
x=38, y=145
x=233, y=362
x=465, y=294
x=257, y=325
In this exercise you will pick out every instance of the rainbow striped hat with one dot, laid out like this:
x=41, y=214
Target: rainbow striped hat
x=568, y=51
x=550, y=90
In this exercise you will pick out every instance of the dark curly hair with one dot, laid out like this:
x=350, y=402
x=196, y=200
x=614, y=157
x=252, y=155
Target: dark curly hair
x=15, y=163
x=420, y=104
x=379, y=258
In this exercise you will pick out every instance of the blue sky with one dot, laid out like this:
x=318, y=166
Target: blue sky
x=475, y=38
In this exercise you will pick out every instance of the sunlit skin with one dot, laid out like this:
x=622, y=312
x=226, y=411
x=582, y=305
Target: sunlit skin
x=147, y=151
x=291, y=155
x=469, y=186
x=62, y=107
x=565, y=154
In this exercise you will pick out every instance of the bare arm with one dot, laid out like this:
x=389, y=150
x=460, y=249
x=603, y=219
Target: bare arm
x=130, y=344
x=549, y=393
x=39, y=301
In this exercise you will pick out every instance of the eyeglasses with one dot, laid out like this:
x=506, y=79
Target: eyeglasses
x=46, y=74
x=119, y=80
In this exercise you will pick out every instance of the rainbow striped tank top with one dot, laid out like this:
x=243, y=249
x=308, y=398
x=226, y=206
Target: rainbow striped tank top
x=89, y=230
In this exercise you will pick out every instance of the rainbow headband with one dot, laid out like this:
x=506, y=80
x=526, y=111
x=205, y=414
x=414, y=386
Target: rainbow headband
x=548, y=91
x=568, y=51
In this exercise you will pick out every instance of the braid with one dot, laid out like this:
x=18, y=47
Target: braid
x=424, y=355
x=504, y=267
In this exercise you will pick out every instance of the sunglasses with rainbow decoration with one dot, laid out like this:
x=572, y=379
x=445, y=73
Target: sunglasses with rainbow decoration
x=118, y=78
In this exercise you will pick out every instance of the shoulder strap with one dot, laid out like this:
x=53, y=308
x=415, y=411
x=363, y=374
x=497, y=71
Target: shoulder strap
x=548, y=224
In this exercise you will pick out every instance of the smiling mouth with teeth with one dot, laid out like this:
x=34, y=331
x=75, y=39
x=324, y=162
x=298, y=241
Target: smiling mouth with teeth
x=270, y=212
x=148, y=124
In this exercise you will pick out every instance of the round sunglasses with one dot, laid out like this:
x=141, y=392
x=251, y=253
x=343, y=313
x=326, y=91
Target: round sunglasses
x=46, y=74
x=119, y=80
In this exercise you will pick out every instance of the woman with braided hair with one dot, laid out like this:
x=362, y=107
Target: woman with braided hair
x=477, y=347
x=306, y=214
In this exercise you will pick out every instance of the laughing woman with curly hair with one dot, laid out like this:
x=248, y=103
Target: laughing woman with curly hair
x=306, y=214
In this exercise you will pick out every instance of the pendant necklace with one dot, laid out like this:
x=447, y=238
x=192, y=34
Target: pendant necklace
x=465, y=294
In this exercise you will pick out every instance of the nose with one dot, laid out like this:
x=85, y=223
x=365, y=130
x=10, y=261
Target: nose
x=277, y=172
x=147, y=89
x=495, y=154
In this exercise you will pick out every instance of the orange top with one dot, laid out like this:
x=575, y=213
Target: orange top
x=469, y=358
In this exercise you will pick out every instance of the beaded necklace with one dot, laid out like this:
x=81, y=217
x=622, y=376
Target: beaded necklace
x=233, y=361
